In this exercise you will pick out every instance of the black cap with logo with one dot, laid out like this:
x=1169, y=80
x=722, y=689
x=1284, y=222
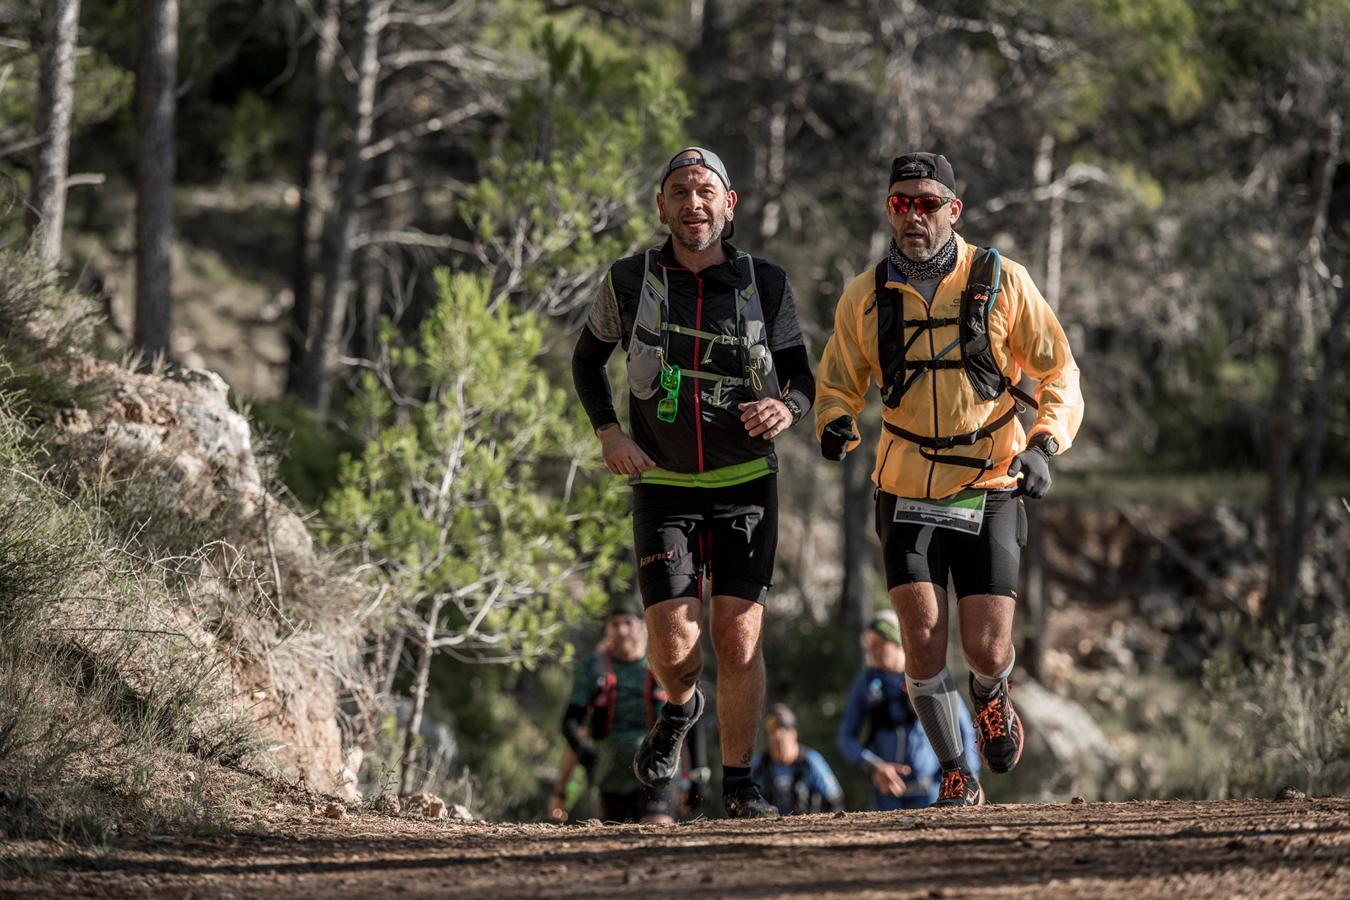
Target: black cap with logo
x=933, y=166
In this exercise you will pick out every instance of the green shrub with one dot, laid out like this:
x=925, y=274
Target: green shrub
x=1281, y=711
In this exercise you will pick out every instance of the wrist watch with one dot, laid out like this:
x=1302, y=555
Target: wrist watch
x=1045, y=442
x=794, y=406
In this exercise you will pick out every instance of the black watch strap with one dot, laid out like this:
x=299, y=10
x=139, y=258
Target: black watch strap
x=1045, y=442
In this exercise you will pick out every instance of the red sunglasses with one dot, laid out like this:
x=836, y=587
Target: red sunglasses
x=924, y=204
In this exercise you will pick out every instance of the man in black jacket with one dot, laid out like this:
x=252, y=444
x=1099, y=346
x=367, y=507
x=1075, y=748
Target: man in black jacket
x=716, y=370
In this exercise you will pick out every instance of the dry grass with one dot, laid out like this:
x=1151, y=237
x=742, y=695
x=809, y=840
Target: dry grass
x=104, y=688
x=136, y=630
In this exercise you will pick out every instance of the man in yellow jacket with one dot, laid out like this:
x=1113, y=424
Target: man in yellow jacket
x=946, y=330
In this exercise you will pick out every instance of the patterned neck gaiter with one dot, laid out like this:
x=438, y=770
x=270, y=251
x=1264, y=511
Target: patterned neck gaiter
x=941, y=265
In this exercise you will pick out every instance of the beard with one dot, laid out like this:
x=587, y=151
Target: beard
x=924, y=248
x=697, y=244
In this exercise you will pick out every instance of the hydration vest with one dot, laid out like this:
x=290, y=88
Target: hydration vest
x=976, y=355
x=649, y=344
x=605, y=700
x=879, y=717
x=792, y=791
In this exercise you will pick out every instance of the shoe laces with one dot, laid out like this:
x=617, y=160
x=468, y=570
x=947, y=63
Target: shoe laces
x=953, y=783
x=992, y=715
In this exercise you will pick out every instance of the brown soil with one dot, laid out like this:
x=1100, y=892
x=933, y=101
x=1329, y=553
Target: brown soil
x=1249, y=848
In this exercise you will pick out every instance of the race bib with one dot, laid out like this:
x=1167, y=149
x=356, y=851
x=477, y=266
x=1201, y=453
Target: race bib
x=964, y=512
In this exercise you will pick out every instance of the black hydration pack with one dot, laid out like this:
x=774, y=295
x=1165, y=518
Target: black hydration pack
x=605, y=698
x=793, y=791
x=649, y=343
x=976, y=355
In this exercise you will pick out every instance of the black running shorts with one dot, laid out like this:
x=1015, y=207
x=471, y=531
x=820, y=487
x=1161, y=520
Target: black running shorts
x=635, y=806
x=729, y=532
x=986, y=563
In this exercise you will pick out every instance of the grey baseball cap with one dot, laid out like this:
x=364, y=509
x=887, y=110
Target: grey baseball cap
x=705, y=158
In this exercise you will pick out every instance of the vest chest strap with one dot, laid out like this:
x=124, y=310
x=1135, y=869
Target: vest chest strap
x=928, y=444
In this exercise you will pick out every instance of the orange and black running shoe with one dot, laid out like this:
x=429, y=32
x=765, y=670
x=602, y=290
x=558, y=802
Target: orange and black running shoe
x=960, y=788
x=998, y=729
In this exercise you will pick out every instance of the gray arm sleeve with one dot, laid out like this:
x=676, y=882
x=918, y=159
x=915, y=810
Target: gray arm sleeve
x=784, y=329
x=604, y=320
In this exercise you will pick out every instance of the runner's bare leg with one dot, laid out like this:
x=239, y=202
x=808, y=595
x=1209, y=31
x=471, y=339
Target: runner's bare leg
x=736, y=625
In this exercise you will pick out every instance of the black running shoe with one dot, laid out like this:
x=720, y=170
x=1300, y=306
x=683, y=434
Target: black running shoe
x=744, y=801
x=960, y=788
x=998, y=728
x=657, y=761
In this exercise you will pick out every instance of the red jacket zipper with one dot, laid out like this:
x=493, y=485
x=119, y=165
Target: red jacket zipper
x=698, y=409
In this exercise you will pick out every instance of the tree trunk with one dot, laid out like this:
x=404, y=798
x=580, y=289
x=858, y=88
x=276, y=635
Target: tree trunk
x=55, y=102
x=381, y=265
x=309, y=211
x=774, y=179
x=425, y=650
x=1310, y=461
x=707, y=55
x=1278, y=473
x=1032, y=575
x=855, y=596
x=1288, y=500
x=323, y=345
x=1310, y=465
x=370, y=280
x=392, y=661
x=156, y=85
x=1033, y=593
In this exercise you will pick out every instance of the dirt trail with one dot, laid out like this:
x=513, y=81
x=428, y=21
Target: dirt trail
x=1247, y=848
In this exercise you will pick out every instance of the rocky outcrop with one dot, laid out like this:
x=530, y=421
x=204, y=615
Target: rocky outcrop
x=1066, y=753
x=289, y=627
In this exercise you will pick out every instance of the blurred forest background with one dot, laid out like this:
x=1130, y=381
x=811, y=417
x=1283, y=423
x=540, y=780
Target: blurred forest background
x=381, y=221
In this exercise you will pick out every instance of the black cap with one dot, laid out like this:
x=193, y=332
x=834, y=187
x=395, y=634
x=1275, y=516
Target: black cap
x=783, y=715
x=933, y=166
x=624, y=603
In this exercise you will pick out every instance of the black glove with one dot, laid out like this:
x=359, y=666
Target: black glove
x=586, y=755
x=1034, y=464
x=836, y=437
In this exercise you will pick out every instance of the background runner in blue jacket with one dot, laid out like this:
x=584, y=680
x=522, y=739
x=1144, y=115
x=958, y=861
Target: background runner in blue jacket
x=880, y=733
x=795, y=778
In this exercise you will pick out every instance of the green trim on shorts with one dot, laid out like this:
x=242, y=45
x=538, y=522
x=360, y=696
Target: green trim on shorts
x=727, y=476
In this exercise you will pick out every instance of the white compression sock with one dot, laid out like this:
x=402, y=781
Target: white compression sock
x=936, y=703
x=986, y=684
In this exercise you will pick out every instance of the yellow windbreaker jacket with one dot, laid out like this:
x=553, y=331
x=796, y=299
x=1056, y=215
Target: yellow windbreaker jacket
x=1025, y=337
